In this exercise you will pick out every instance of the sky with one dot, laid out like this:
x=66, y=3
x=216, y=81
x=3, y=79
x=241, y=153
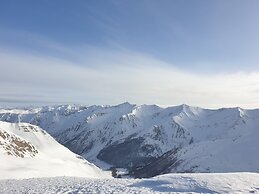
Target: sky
x=169, y=52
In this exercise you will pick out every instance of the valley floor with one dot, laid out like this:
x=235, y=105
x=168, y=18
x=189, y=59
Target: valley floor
x=170, y=183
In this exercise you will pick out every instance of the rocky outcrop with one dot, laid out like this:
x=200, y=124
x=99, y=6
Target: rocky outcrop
x=15, y=146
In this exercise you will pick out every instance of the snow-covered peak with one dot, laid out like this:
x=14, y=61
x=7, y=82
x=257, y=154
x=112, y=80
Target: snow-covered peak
x=125, y=104
x=146, y=110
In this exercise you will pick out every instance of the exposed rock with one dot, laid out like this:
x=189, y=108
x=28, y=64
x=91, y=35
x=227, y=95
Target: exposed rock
x=15, y=146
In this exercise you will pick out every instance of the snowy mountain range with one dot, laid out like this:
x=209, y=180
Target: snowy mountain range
x=149, y=140
x=27, y=151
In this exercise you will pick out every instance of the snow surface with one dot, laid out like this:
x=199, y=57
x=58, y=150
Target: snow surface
x=170, y=183
x=50, y=159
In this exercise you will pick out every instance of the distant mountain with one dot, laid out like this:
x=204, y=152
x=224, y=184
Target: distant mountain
x=150, y=140
x=27, y=151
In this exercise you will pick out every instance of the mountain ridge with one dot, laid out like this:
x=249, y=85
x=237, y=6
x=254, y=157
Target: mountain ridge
x=134, y=136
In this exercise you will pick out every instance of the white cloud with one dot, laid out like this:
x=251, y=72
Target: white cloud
x=112, y=76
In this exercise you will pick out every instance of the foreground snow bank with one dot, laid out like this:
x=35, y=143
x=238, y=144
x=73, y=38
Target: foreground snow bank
x=27, y=151
x=170, y=183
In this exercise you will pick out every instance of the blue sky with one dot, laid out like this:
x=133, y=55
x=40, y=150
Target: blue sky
x=165, y=52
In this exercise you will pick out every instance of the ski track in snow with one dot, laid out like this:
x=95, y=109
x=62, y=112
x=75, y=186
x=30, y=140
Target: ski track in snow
x=170, y=183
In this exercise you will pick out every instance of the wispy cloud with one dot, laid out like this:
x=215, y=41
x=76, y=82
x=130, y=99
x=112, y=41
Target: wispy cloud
x=111, y=76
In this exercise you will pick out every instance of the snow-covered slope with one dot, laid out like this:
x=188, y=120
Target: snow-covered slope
x=179, y=139
x=238, y=183
x=28, y=151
